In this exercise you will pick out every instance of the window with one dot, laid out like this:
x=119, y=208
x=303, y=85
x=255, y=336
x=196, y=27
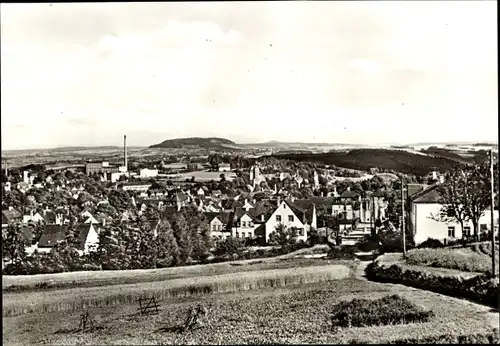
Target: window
x=301, y=231
x=243, y=223
x=451, y=232
x=467, y=231
x=237, y=234
x=483, y=227
x=290, y=218
x=278, y=218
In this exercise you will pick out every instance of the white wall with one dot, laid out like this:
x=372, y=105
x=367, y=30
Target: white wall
x=148, y=173
x=246, y=229
x=92, y=240
x=284, y=211
x=426, y=227
x=216, y=229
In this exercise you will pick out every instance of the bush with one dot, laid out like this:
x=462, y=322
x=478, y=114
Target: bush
x=342, y=253
x=431, y=243
x=480, y=288
x=384, y=311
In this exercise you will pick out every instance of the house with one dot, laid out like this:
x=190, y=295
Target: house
x=91, y=220
x=136, y=186
x=216, y=193
x=220, y=225
x=28, y=234
x=224, y=167
x=52, y=217
x=148, y=173
x=34, y=217
x=200, y=192
x=424, y=207
x=52, y=234
x=10, y=216
x=301, y=216
x=88, y=238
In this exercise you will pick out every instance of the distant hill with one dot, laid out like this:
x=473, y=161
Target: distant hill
x=364, y=159
x=295, y=145
x=213, y=143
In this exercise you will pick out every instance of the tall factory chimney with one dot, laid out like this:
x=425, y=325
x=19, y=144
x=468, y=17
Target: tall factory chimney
x=125, y=152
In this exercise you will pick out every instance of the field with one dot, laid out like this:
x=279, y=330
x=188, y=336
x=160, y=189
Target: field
x=475, y=258
x=72, y=299
x=293, y=314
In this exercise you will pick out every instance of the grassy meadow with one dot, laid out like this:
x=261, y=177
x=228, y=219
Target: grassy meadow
x=294, y=314
x=475, y=258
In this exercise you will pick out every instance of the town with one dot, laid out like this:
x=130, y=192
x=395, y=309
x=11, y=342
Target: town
x=260, y=203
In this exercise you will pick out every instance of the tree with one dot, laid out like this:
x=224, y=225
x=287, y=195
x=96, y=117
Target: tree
x=167, y=250
x=476, y=195
x=214, y=160
x=229, y=246
x=14, y=244
x=283, y=235
x=111, y=251
x=182, y=236
x=451, y=193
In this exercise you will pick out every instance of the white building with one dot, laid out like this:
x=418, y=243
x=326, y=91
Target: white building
x=224, y=167
x=424, y=224
x=290, y=215
x=148, y=173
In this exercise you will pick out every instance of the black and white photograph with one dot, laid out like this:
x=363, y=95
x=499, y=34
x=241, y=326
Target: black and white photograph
x=249, y=172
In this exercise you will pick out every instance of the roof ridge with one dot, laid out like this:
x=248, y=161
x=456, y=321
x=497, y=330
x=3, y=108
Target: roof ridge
x=423, y=192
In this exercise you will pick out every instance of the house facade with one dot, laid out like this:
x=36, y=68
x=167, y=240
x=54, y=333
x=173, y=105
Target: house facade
x=288, y=215
x=424, y=223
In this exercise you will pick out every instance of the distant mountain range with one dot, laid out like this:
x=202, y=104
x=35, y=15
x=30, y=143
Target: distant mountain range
x=223, y=144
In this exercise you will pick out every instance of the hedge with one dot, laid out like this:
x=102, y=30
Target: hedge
x=480, y=288
x=384, y=311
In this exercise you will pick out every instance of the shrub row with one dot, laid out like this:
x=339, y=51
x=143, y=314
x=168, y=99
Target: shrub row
x=480, y=288
x=479, y=338
x=50, y=263
x=342, y=253
x=384, y=311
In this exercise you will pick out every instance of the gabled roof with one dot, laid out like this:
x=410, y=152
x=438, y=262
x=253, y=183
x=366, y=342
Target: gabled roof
x=224, y=216
x=10, y=216
x=379, y=193
x=415, y=188
x=231, y=204
x=303, y=209
x=52, y=234
x=349, y=194
x=27, y=232
x=429, y=195
x=82, y=230
x=49, y=216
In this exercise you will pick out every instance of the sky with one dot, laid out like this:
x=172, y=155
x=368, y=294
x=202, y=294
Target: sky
x=339, y=72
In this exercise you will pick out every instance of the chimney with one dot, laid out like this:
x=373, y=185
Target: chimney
x=441, y=179
x=279, y=201
x=125, y=152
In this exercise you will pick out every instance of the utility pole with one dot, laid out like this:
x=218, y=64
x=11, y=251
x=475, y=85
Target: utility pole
x=403, y=230
x=492, y=183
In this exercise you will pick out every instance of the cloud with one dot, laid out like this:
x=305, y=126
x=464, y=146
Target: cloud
x=267, y=70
